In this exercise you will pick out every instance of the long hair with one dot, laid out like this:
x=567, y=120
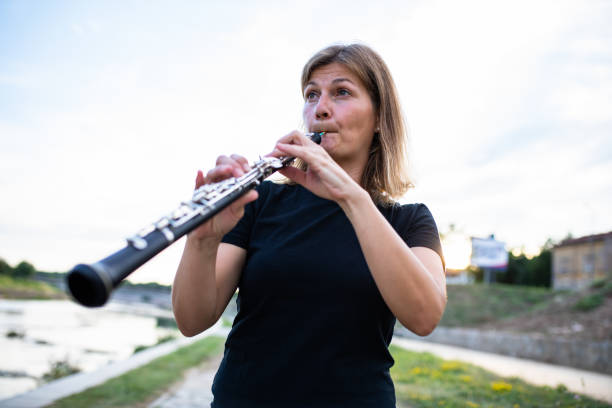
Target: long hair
x=386, y=175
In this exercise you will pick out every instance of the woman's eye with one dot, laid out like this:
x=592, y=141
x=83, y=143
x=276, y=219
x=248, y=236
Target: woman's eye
x=311, y=95
x=343, y=92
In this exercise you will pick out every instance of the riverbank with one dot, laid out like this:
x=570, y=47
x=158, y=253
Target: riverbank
x=44, y=339
x=127, y=382
x=21, y=288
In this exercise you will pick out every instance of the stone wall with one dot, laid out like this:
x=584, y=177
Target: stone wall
x=592, y=356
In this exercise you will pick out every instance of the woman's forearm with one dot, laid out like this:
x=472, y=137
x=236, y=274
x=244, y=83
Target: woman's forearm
x=413, y=291
x=194, y=292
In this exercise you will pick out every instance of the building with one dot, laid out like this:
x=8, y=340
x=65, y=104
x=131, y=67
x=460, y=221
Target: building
x=577, y=262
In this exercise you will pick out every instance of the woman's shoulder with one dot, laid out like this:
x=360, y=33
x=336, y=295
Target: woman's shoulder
x=410, y=212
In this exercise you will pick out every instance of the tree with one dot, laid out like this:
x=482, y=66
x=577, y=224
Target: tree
x=24, y=270
x=524, y=271
x=5, y=268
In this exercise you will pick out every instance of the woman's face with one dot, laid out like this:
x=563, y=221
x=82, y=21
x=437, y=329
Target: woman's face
x=337, y=102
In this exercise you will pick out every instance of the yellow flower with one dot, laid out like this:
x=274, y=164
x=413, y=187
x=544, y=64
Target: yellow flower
x=416, y=370
x=516, y=406
x=472, y=404
x=501, y=386
x=451, y=366
x=465, y=378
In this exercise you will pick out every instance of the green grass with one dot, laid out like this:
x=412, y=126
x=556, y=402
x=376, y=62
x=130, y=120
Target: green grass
x=424, y=380
x=589, y=302
x=19, y=288
x=144, y=384
x=160, y=340
x=471, y=305
x=595, y=297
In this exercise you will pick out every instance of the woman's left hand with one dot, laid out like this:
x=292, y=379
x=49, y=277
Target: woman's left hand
x=324, y=177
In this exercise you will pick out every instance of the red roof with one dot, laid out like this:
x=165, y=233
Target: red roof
x=585, y=239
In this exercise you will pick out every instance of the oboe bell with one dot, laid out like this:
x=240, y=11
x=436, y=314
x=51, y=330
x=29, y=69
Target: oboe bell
x=92, y=284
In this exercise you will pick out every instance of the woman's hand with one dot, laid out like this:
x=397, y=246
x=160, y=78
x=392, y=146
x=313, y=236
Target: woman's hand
x=224, y=221
x=324, y=177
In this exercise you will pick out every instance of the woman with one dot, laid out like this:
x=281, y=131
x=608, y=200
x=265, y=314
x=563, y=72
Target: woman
x=326, y=262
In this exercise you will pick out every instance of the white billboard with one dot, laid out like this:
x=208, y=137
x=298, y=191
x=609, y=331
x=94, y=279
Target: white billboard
x=489, y=253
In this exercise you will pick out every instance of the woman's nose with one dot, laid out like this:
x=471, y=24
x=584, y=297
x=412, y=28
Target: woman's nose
x=323, y=111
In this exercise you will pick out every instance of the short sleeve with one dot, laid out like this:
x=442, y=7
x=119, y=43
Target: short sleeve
x=416, y=226
x=240, y=235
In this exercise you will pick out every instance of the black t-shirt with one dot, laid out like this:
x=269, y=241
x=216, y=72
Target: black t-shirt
x=312, y=329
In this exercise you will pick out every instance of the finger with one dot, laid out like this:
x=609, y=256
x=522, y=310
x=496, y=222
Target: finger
x=305, y=153
x=242, y=161
x=237, y=207
x=275, y=153
x=222, y=160
x=294, y=174
x=199, y=179
x=295, y=137
x=247, y=198
x=219, y=173
x=237, y=169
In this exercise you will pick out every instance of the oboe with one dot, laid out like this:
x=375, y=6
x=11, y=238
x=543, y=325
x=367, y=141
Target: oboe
x=92, y=284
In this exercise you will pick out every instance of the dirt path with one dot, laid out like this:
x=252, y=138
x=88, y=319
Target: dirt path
x=194, y=391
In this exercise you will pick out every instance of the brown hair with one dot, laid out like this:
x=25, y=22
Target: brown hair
x=386, y=176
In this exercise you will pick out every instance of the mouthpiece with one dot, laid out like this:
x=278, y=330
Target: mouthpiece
x=315, y=136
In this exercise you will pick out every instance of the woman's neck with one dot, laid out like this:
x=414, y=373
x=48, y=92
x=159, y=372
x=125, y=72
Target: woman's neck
x=354, y=169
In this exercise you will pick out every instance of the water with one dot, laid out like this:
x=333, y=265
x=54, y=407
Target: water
x=44, y=332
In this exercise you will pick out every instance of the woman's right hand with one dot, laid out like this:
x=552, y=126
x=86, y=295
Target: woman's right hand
x=219, y=225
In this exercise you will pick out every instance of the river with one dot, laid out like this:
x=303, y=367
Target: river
x=34, y=334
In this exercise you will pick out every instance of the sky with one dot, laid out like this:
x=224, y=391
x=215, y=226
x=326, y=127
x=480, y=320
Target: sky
x=108, y=109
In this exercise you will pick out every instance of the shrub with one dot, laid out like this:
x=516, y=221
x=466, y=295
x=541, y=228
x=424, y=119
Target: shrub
x=166, y=322
x=60, y=369
x=13, y=334
x=24, y=270
x=607, y=289
x=589, y=302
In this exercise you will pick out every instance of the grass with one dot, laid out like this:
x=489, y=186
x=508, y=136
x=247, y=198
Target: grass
x=471, y=305
x=589, y=302
x=595, y=297
x=424, y=380
x=18, y=288
x=160, y=340
x=144, y=384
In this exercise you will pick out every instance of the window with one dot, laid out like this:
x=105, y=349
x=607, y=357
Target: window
x=588, y=264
